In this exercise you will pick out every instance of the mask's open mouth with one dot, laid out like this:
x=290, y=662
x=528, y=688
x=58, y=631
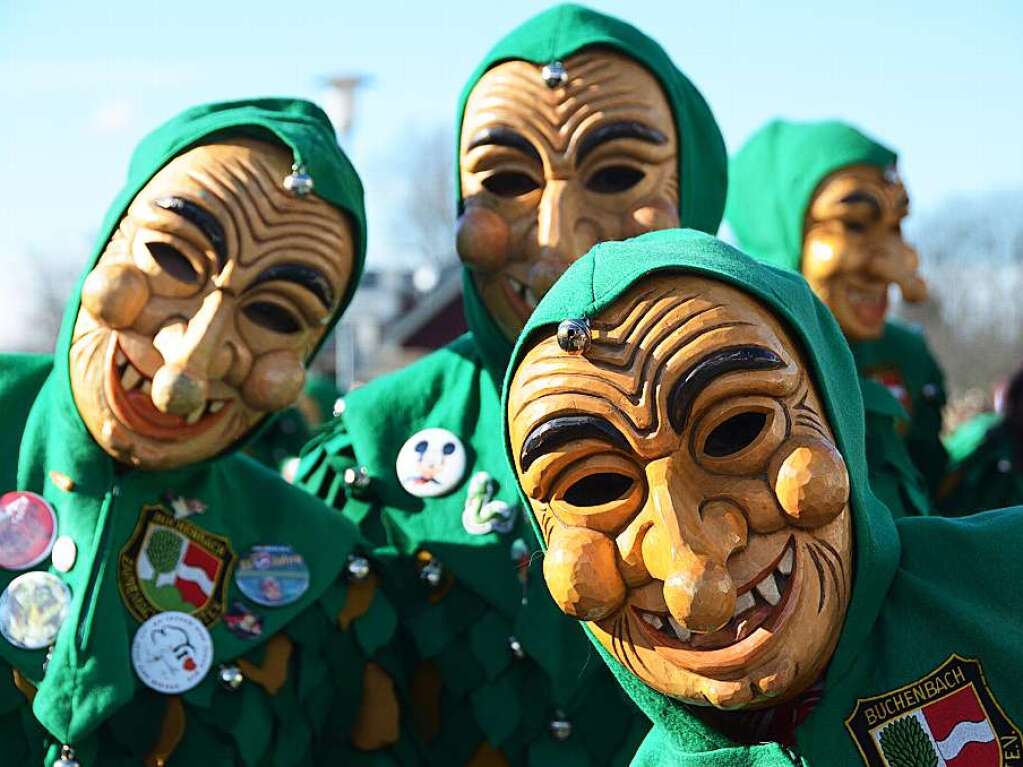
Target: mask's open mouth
x=129, y=392
x=760, y=602
x=869, y=302
x=520, y=296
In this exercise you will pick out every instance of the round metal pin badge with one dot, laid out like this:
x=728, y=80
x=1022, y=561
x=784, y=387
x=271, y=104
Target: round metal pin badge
x=172, y=652
x=33, y=607
x=28, y=528
x=272, y=575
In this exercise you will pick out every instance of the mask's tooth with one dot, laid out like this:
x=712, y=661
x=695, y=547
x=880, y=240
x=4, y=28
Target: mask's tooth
x=530, y=298
x=768, y=589
x=653, y=620
x=130, y=378
x=744, y=602
x=680, y=631
x=785, y=565
x=195, y=415
x=216, y=405
x=147, y=387
x=119, y=358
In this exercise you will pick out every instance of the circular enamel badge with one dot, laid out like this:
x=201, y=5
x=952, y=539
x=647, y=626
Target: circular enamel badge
x=33, y=608
x=272, y=575
x=28, y=528
x=431, y=463
x=172, y=652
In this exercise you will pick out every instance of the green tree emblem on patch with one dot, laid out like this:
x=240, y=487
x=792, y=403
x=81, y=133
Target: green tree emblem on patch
x=905, y=744
x=164, y=550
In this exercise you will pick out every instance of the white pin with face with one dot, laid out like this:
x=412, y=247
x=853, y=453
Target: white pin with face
x=172, y=652
x=431, y=463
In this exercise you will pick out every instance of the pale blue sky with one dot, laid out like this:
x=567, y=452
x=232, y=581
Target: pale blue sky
x=81, y=82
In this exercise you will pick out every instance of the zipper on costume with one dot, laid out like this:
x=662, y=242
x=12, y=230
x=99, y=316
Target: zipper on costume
x=99, y=561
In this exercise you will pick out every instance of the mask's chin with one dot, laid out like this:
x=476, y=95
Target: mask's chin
x=776, y=644
x=115, y=378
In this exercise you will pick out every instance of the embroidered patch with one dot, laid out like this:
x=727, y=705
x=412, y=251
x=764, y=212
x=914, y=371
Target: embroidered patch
x=949, y=718
x=171, y=564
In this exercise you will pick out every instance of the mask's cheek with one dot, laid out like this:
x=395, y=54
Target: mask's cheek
x=482, y=239
x=826, y=254
x=650, y=216
x=274, y=382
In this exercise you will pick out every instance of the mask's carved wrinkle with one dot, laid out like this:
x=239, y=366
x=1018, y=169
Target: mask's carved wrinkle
x=822, y=591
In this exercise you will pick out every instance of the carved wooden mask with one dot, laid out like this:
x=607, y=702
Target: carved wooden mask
x=853, y=248
x=549, y=170
x=198, y=317
x=687, y=483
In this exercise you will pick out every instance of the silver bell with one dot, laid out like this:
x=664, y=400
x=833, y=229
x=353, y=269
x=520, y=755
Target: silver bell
x=298, y=182
x=1004, y=465
x=432, y=573
x=517, y=650
x=230, y=676
x=358, y=568
x=554, y=74
x=930, y=391
x=339, y=406
x=357, y=478
x=560, y=727
x=574, y=336
x=67, y=758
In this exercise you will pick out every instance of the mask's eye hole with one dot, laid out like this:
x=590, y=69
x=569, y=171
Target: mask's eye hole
x=735, y=434
x=614, y=179
x=855, y=226
x=172, y=261
x=272, y=317
x=598, y=489
x=509, y=184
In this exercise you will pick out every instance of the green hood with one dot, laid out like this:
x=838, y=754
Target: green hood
x=774, y=176
x=607, y=272
x=89, y=674
x=557, y=34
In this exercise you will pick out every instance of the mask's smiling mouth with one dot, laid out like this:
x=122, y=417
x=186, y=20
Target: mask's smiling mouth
x=868, y=301
x=129, y=393
x=520, y=296
x=760, y=603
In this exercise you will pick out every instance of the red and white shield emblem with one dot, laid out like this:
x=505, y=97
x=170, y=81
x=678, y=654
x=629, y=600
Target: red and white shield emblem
x=949, y=718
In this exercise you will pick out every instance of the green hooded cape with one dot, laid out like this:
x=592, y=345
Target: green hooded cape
x=488, y=694
x=774, y=177
x=88, y=696
x=924, y=587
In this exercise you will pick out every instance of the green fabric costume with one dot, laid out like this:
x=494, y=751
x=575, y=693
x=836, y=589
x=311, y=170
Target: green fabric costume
x=88, y=695
x=773, y=180
x=283, y=438
x=463, y=628
x=925, y=588
x=989, y=477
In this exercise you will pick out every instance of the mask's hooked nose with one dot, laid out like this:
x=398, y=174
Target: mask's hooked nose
x=687, y=555
x=190, y=353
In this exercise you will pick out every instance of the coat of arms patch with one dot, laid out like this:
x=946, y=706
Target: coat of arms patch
x=949, y=718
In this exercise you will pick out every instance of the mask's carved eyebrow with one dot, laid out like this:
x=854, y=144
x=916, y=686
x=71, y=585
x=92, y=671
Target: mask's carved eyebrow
x=862, y=198
x=689, y=385
x=203, y=220
x=500, y=136
x=552, y=434
x=309, y=278
x=612, y=131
